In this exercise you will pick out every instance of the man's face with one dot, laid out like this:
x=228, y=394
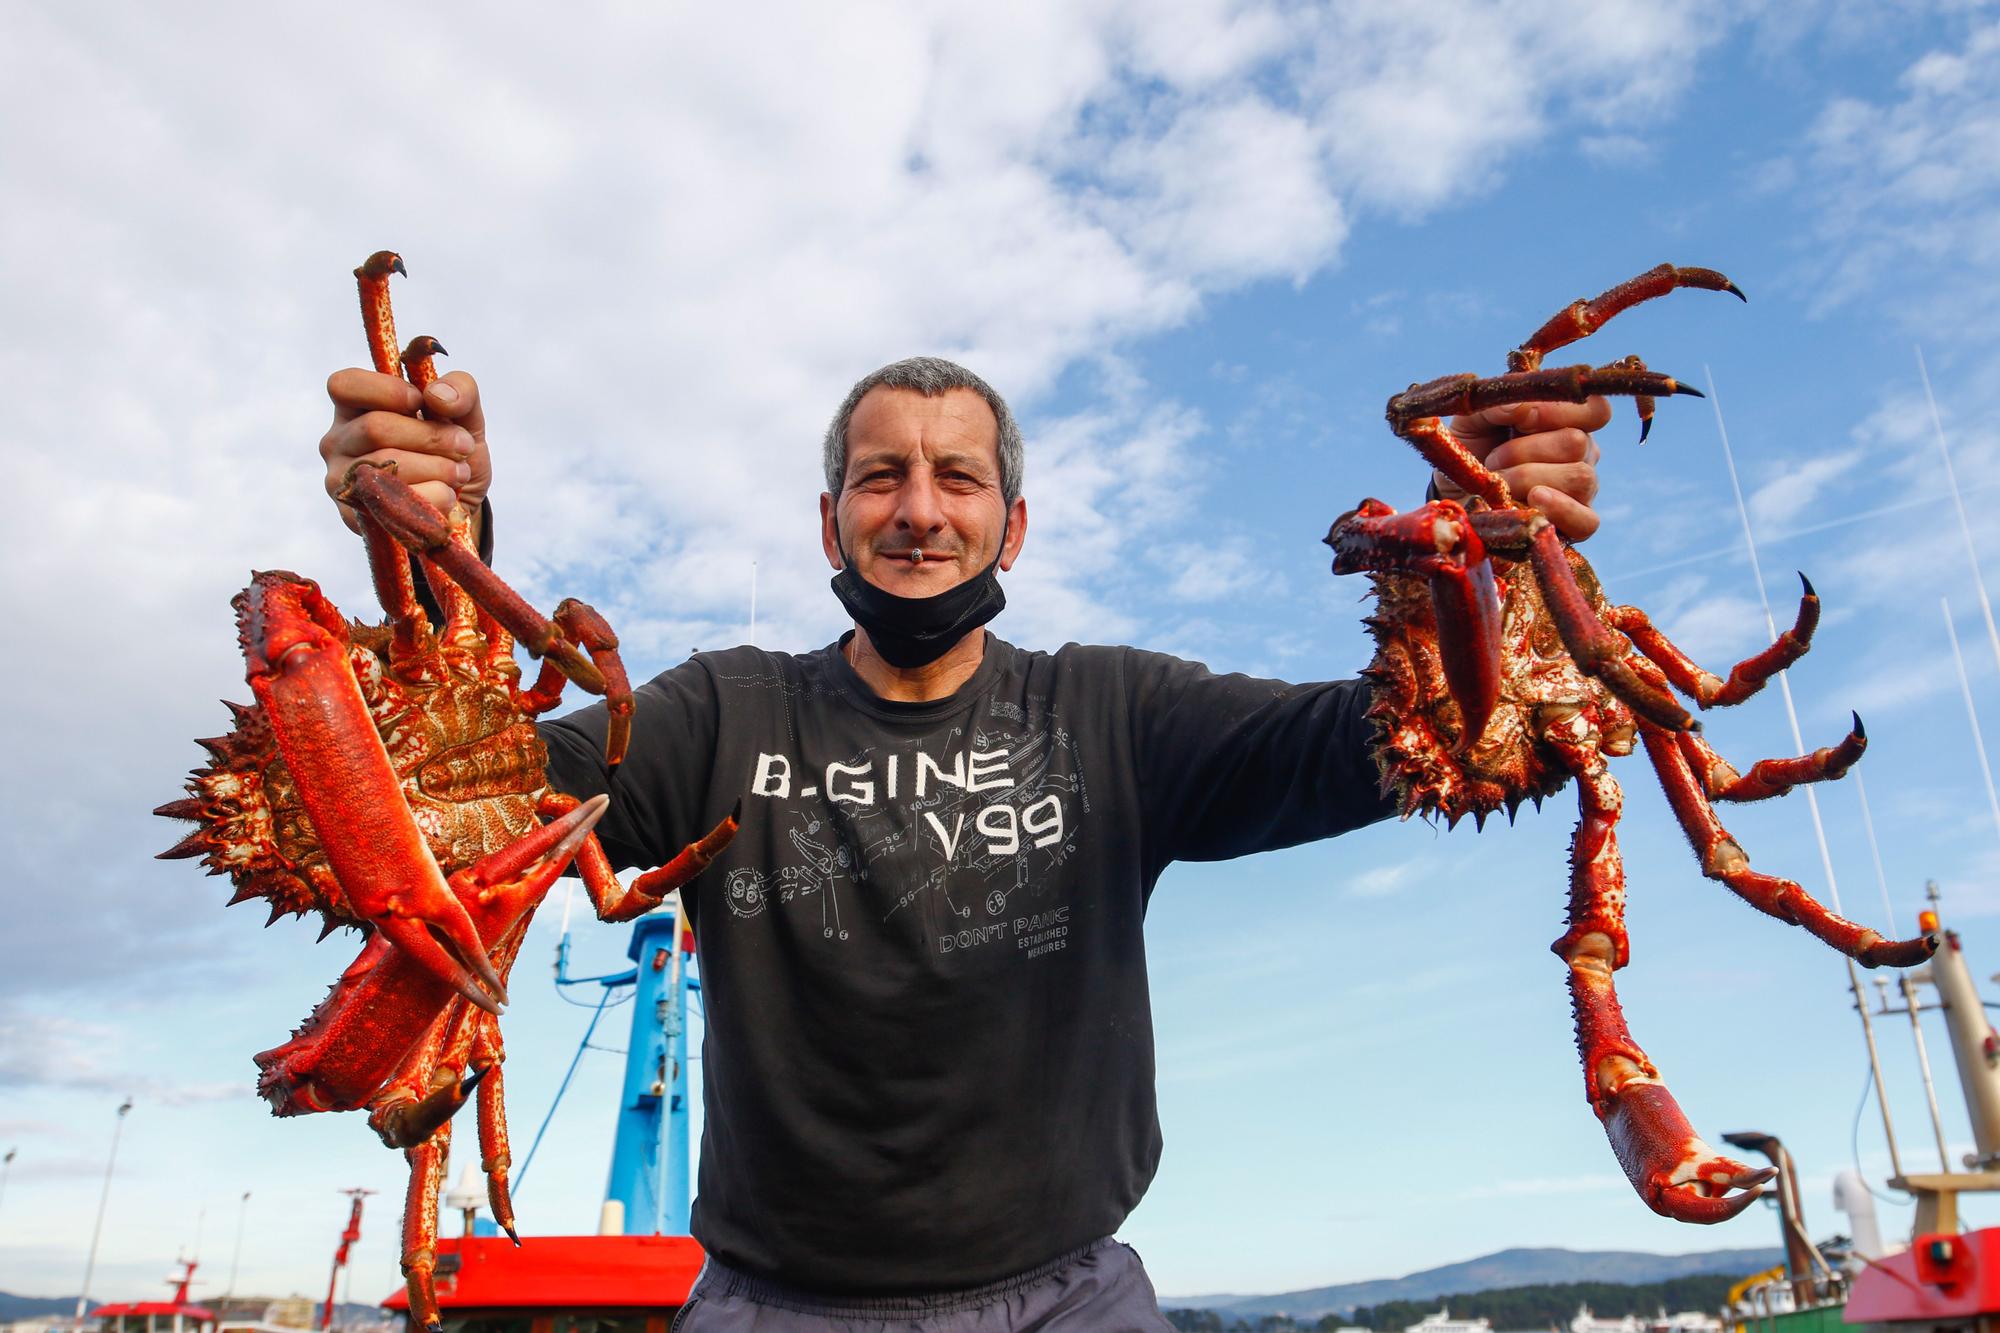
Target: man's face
x=923, y=474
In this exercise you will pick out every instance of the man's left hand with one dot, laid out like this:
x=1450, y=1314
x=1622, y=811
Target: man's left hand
x=1545, y=454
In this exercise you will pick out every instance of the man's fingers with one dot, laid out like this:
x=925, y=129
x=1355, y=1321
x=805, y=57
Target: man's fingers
x=1522, y=418
x=1548, y=446
x=1573, y=518
x=437, y=495
x=420, y=469
x=1576, y=480
x=455, y=398
x=355, y=392
x=390, y=432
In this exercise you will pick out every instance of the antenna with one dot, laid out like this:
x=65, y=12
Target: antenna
x=1964, y=528
x=1965, y=689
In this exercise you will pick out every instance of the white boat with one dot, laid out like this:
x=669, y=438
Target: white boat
x=1684, y=1321
x=1442, y=1322
x=1586, y=1322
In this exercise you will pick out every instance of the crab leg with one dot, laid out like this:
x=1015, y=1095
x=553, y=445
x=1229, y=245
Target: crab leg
x=1746, y=678
x=1770, y=777
x=580, y=624
x=1597, y=648
x=1580, y=319
x=420, y=1226
x=611, y=899
x=426, y=1090
x=1437, y=541
x=373, y=487
x=296, y=646
x=1672, y=1168
x=1722, y=858
x=1417, y=413
x=376, y=316
x=495, y=1159
x=386, y=1004
x=460, y=613
x=451, y=565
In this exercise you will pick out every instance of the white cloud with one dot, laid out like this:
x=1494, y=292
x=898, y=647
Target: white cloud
x=45, y=1050
x=1384, y=881
x=1796, y=489
x=1211, y=572
x=1908, y=192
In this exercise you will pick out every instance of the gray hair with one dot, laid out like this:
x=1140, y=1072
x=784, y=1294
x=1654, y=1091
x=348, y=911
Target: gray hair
x=929, y=376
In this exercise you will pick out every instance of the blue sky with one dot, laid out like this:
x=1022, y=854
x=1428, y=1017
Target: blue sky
x=1198, y=244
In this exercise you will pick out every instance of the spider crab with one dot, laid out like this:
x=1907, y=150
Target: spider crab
x=1502, y=671
x=390, y=778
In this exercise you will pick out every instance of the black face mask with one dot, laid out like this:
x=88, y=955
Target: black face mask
x=916, y=631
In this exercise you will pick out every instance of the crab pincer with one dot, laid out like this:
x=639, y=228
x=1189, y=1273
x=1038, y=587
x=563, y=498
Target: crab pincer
x=296, y=646
x=1672, y=1168
x=1437, y=541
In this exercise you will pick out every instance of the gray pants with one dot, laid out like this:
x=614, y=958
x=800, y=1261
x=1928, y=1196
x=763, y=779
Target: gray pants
x=1101, y=1288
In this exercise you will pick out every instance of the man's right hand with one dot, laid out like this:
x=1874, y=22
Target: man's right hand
x=441, y=455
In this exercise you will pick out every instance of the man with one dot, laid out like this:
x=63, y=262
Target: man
x=929, y=1057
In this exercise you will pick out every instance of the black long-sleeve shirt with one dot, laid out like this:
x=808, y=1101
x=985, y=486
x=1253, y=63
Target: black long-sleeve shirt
x=929, y=1050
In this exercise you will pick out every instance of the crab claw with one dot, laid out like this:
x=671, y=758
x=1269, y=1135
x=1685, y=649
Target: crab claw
x=1439, y=542
x=410, y=1123
x=295, y=644
x=1674, y=1171
x=1466, y=602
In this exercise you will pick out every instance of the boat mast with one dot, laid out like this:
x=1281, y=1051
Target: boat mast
x=1812, y=796
x=649, y=1188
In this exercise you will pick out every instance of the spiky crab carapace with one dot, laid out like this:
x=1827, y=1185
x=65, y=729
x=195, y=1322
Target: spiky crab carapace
x=390, y=778
x=1502, y=671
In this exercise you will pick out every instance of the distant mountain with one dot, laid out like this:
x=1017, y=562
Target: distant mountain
x=1506, y=1268
x=14, y=1307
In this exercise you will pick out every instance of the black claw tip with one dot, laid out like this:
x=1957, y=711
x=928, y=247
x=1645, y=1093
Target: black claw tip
x=1807, y=584
x=736, y=811
x=1688, y=389
x=473, y=1079
x=1645, y=429
x=1860, y=732
x=433, y=1326
x=1736, y=292
x=396, y=265
x=513, y=1236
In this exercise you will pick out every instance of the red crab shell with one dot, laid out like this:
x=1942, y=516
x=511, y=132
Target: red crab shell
x=1419, y=725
